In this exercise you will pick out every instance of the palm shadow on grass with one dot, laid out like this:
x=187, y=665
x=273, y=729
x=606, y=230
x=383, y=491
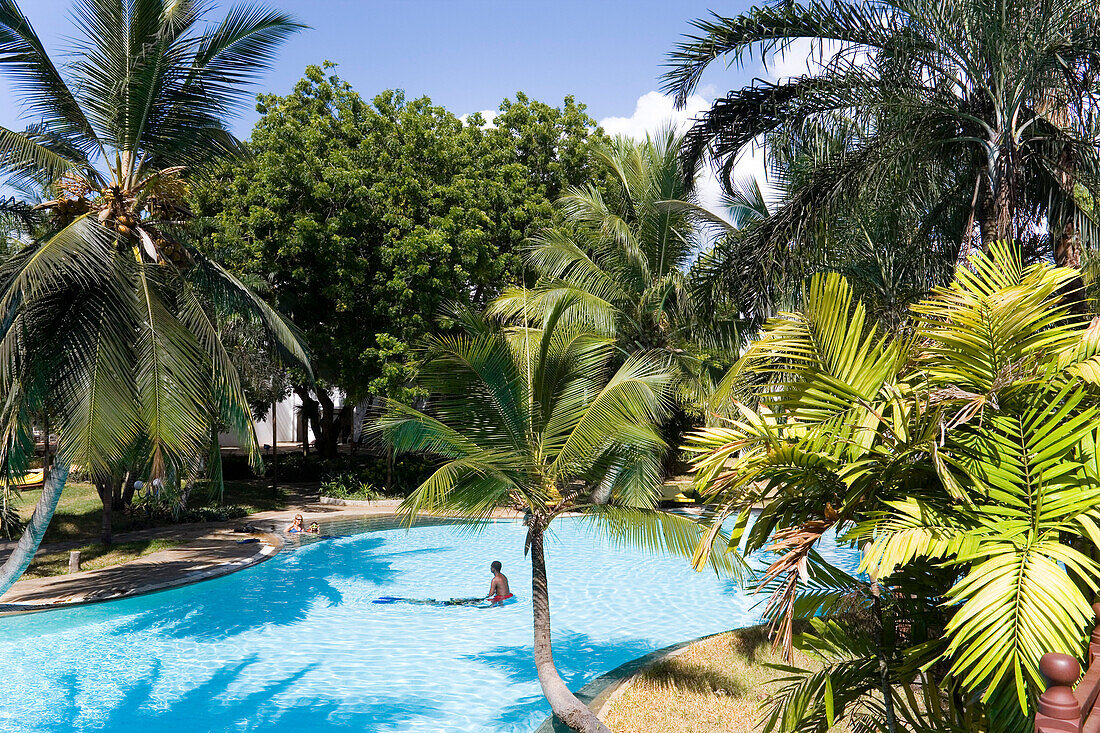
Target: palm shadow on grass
x=680, y=674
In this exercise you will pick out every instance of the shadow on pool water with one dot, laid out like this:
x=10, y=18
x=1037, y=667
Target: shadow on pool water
x=139, y=710
x=278, y=595
x=572, y=656
x=297, y=641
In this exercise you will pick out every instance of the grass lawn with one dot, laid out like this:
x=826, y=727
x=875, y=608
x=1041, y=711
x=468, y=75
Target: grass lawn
x=715, y=685
x=79, y=513
x=95, y=556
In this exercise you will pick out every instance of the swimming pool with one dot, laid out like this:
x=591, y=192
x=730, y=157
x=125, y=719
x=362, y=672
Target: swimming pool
x=296, y=642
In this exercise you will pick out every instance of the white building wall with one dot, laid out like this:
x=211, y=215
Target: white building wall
x=288, y=411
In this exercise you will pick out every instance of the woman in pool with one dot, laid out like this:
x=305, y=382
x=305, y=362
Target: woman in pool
x=295, y=526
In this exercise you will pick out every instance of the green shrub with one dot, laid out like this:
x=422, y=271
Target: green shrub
x=407, y=473
x=349, y=485
x=168, y=511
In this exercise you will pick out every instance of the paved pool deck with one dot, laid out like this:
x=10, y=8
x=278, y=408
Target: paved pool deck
x=209, y=550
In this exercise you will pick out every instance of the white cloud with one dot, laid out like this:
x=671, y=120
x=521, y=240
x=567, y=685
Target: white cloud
x=489, y=115
x=803, y=56
x=655, y=111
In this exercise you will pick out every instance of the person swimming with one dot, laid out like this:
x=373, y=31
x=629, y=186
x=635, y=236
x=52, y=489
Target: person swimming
x=314, y=528
x=295, y=526
x=499, y=593
x=498, y=589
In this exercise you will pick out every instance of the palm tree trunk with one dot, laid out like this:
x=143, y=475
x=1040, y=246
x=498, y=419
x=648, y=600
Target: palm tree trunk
x=105, y=487
x=564, y=703
x=108, y=509
x=275, y=448
x=28, y=544
x=1067, y=243
x=998, y=215
x=884, y=669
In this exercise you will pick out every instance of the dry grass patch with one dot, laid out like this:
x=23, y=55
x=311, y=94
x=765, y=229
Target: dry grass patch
x=93, y=557
x=714, y=685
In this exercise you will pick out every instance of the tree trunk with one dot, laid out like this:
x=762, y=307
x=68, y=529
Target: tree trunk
x=1067, y=243
x=311, y=414
x=105, y=530
x=389, y=467
x=998, y=211
x=105, y=487
x=128, y=489
x=884, y=667
x=330, y=426
x=564, y=703
x=321, y=416
x=275, y=448
x=118, y=486
x=28, y=543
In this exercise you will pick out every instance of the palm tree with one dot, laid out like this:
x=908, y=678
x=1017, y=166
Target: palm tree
x=110, y=316
x=977, y=112
x=621, y=256
x=540, y=420
x=959, y=457
x=890, y=251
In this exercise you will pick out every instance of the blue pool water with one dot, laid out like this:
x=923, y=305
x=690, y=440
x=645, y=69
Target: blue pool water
x=295, y=643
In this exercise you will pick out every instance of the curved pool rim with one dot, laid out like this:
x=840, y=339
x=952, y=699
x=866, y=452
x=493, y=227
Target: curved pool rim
x=599, y=693
x=383, y=523
x=270, y=546
x=229, y=567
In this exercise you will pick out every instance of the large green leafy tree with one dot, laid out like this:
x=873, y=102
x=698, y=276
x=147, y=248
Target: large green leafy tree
x=978, y=115
x=962, y=459
x=540, y=420
x=110, y=316
x=365, y=217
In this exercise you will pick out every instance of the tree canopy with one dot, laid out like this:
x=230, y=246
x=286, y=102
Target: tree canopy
x=967, y=122
x=366, y=217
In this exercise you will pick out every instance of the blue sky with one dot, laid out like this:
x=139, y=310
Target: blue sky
x=469, y=54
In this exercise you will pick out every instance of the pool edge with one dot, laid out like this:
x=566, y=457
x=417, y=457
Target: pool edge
x=270, y=546
x=602, y=691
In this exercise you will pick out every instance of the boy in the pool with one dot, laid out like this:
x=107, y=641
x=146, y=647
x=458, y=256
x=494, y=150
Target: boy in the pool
x=498, y=589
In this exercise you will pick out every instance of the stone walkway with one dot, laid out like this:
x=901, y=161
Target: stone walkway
x=212, y=554
x=211, y=549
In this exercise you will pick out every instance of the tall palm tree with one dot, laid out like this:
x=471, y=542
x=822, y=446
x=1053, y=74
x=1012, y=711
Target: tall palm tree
x=621, y=257
x=887, y=246
x=980, y=112
x=540, y=420
x=110, y=316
